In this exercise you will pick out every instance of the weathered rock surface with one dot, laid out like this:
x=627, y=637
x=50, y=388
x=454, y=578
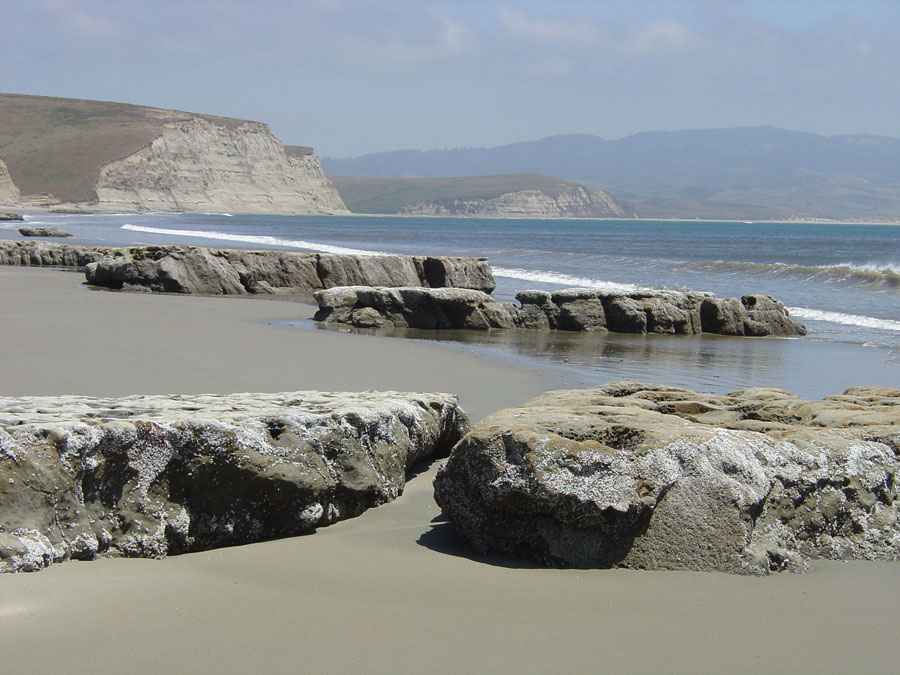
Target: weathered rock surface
x=49, y=254
x=43, y=232
x=574, y=309
x=198, y=165
x=9, y=193
x=191, y=269
x=411, y=307
x=645, y=476
x=147, y=476
x=11, y=216
x=578, y=202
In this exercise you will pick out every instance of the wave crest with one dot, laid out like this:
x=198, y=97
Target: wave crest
x=252, y=239
x=883, y=275
x=563, y=279
x=844, y=319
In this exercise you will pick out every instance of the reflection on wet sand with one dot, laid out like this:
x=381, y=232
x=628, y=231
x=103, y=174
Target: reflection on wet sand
x=806, y=367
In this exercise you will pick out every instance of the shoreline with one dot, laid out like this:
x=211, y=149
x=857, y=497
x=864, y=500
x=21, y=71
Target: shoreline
x=390, y=590
x=94, y=210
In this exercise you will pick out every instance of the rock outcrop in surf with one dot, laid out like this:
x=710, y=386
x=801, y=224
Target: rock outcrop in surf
x=651, y=477
x=662, y=312
x=149, y=476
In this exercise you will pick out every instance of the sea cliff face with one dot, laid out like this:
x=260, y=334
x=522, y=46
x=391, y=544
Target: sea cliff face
x=575, y=203
x=9, y=193
x=198, y=165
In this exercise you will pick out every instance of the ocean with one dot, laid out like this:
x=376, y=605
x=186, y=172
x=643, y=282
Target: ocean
x=841, y=280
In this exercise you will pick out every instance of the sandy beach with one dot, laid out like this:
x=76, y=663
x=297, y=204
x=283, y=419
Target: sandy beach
x=391, y=590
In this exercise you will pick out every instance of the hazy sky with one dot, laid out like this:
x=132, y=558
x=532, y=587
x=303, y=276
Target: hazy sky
x=351, y=77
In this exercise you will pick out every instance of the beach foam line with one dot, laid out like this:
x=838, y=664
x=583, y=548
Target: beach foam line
x=879, y=274
x=563, y=279
x=252, y=239
x=844, y=319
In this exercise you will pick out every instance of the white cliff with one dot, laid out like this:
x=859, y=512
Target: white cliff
x=199, y=165
x=9, y=193
x=575, y=203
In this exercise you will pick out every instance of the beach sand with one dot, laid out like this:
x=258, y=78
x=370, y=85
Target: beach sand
x=391, y=590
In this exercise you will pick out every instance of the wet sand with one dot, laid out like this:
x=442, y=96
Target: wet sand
x=390, y=591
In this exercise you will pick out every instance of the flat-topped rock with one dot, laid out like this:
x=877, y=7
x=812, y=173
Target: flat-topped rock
x=645, y=476
x=201, y=270
x=6, y=215
x=43, y=232
x=574, y=309
x=147, y=476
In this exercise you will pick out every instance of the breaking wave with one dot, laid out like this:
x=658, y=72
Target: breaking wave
x=252, y=239
x=882, y=275
x=563, y=279
x=844, y=319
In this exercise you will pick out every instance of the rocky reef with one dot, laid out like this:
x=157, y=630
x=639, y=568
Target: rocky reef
x=666, y=312
x=193, y=269
x=148, y=476
x=645, y=476
x=43, y=232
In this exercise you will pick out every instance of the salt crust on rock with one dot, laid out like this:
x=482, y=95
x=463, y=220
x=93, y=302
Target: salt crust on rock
x=645, y=476
x=149, y=476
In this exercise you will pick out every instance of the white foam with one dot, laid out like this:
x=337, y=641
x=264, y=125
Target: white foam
x=844, y=319
x=563, y=279
x=252, y=239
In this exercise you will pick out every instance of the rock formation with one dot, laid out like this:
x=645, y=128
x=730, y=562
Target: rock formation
x=198, y=165
x=191, y=269
x=49, y=254
x=9, y=193
x=43, y=232
x=411, y=307
x=577, y=202
x=644, y=476
x=147, y=476
x=667, y=312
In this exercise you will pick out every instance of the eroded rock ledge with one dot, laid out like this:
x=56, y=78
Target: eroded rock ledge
x=195, y=269
x=645, y=476
x=667, y=312
x=147, y=476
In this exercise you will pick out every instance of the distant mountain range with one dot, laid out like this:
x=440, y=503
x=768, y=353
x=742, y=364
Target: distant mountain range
x=742, y=173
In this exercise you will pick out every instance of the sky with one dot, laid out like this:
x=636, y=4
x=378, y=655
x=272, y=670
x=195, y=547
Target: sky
x=355, y=77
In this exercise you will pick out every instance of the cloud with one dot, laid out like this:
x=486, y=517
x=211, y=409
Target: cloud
x=72, y=18
x=544, y=28
x=662, y=36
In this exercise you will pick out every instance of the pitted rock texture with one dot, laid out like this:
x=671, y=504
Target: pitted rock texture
x=574, y=309
x=26, y=253
x=198, y=165
x=411, y=307
x=645, y=476
x=147, y=476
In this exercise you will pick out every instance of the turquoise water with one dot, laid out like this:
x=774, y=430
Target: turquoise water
x=843, y=281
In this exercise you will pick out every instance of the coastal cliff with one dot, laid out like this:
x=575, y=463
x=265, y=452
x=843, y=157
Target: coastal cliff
x=575, y=203
x=197, y=165
x=9, y=193
x=494, y=196
x=100, y=156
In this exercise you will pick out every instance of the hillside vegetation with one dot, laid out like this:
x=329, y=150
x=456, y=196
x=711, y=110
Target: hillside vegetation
x=392, y=195
x=56, y=146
